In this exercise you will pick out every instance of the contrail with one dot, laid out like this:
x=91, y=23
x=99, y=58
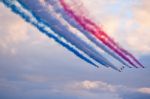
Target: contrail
x=72, y=22
x=92, y=54
x=97, y=32
x=61, y=30
x=43, y=28
x=75, y=32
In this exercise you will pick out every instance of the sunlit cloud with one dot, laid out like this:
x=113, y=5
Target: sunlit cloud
x=144, y=90
x=94, y=85
x=129, y=25
x=100, y=86
x=15, y=32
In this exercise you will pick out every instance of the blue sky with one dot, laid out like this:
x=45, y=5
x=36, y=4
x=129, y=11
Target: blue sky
x=34, y=66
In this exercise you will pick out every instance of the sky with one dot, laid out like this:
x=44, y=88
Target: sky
x=34, y=66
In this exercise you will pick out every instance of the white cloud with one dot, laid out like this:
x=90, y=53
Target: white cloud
x=13, y=27
x=140, y=36
x=89, y=90
x=94, y=85
x=95, y=88
x=144, y=90
x=15, y=32
x=127, y=22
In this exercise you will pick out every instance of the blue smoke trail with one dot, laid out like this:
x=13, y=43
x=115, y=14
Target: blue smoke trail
x=61, y=30
x=41, y=27
x=72, y=22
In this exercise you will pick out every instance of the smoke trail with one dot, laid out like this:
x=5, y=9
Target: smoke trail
x=44, y=29
x=72, y=22
x=8, y=3
x=94, y=29
x=130, y=55
x=61, y=30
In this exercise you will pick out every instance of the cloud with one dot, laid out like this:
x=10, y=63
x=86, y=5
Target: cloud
x=80, y=89
x=144, y=90
x=15, y=32
x=100, y=89
x=36, y=78
x=139, y=37
x=23, y=73
x=14, y=28
x=94, y=85
x=88, y=90
x=126, y=21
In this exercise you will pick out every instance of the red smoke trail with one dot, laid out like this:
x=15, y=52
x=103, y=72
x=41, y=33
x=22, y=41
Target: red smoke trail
x=101, y=35
x=129, y=54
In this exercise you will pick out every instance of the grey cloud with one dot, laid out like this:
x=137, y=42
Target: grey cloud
x=135, y=96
